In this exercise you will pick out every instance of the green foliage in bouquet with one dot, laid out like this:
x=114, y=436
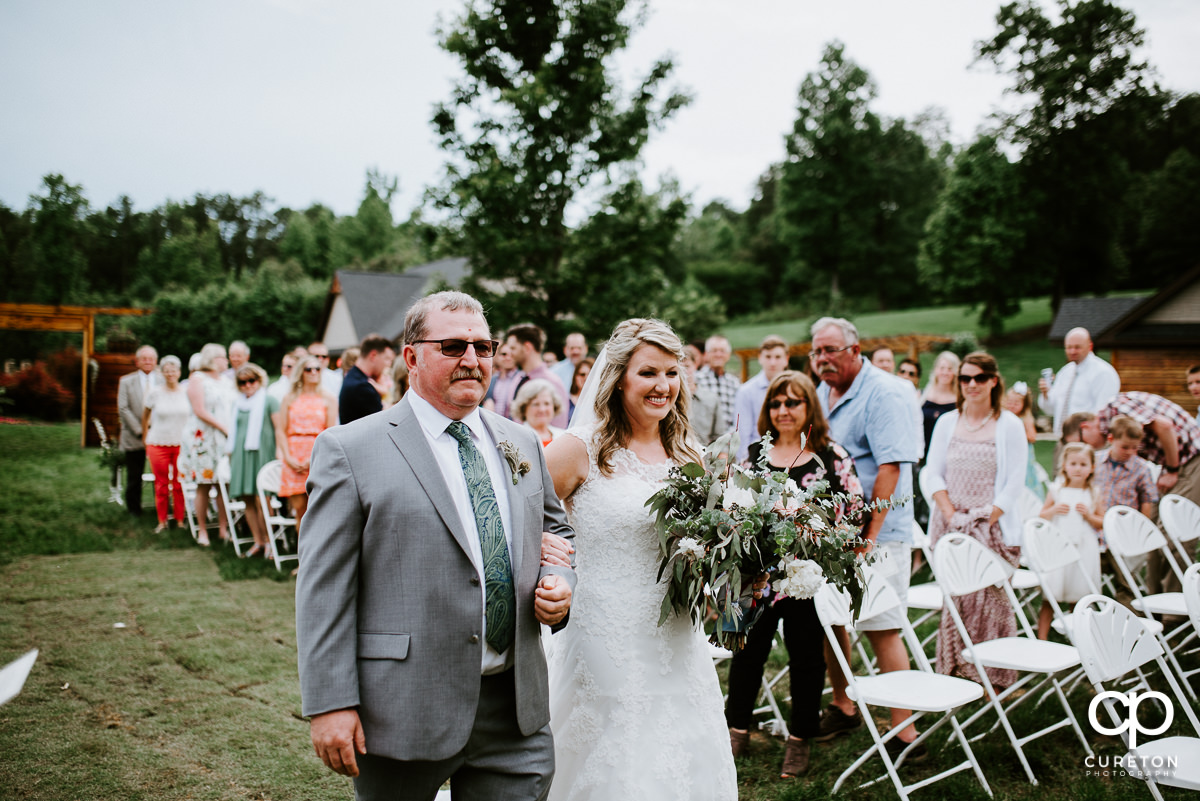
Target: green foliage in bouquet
x=720, y=525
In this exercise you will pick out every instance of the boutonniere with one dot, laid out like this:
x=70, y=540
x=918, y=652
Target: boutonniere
x=517, y=463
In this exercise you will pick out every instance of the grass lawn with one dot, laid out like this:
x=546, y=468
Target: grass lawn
x=195, y=696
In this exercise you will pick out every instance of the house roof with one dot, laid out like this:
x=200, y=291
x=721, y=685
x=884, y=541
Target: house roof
x=1097, y=315
x=377, y=302
x=1170, y=317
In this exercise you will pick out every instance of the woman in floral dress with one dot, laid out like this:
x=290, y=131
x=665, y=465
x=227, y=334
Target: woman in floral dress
x=977, y=458
x=204, y=436
x=306, y=411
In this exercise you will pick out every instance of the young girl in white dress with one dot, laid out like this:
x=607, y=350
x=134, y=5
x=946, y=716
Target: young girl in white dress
x=1072, y=505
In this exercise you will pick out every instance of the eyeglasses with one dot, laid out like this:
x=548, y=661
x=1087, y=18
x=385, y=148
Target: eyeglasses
x=319, y=355
x=978, y=378
x=484, y=348
x=791, y=403
x=312, y=369
x=242, y=382
x=819, y=352
x=908, y=373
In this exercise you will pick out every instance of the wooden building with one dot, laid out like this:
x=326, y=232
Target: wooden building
x=1152, y=339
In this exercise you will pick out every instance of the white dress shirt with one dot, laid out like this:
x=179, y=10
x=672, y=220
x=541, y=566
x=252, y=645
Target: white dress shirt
x=1095, y=381
x=445, y=451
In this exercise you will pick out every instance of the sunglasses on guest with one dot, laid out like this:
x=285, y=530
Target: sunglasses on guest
x=484, y=348
x=978, y=378
x=242, y=382
x=312, y=369
x=791, y=403
x=908, y=373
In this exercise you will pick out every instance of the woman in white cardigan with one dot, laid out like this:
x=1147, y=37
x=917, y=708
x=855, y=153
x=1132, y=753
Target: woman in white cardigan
x=976, y=469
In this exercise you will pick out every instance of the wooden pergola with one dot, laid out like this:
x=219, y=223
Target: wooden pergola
x=70, y=319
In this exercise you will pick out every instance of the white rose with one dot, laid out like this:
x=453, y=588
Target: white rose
x=803, y=578
x=737, y=496
x=690, y=547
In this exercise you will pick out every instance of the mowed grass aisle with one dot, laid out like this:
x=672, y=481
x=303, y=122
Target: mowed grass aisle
x=195, y=695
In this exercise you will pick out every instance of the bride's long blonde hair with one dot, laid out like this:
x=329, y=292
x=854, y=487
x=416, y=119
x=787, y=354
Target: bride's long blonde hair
x=613, y=429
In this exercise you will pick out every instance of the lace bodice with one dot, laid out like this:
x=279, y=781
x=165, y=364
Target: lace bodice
x=635, y=707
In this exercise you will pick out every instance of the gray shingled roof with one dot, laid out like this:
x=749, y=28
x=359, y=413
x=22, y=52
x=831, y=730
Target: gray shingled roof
x=1094, y=314
x=379, y=301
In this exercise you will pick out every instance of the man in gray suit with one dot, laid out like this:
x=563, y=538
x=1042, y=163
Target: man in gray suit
x=421, y=587
x=131, y=395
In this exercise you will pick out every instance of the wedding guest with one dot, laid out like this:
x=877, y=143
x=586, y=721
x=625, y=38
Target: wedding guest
x=131, y=394
x=1073, y=504
x=791, y=412
x=713, y=378
x=884, y=359
x=306, y=411
x=204, y=437
x=582, y=370
x=360, y=388
x=505, y=379
x=399, y=381
x=239, y=355
x=526, y=341
x=283, y=386
x=910, y=369
x=250, y=447
x=331, y=380
x=704, y=416
x=1019, y=401
x=164, y=415
x=536, y=405
x=773, y=360
x=574, y=351
x=976, y=470
x=941, y=393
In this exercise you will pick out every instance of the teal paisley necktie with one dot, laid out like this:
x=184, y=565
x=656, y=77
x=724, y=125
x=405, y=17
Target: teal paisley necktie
x=501, y=600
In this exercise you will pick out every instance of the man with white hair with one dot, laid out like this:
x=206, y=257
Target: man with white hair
x=574, y=351
x=713, y=379
x=1086, y=383
x=239, y=356
x=132, y=390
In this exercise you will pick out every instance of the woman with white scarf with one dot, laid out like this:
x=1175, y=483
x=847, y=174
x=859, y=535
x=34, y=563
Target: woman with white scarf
x=250, y=445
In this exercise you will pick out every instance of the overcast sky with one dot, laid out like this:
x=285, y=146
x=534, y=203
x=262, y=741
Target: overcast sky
x=298, y=98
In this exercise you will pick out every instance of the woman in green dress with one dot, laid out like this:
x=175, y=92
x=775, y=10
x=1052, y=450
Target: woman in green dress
x=251, y=445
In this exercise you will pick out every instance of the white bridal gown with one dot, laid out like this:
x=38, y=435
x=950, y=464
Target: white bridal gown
x=636, y=709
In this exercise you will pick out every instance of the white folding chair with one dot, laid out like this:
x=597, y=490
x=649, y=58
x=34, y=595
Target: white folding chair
x=963, y=566
x=1112, y=642
x=921, y=690
x=1191, y=600
x=278, y=523
x=1181, y=523
x=925, y=598
x=1029, y=505
x=1131, y=534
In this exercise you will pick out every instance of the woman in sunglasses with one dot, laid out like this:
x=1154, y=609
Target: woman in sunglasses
x=251, y=444
x=801, y=445
x=976, y=471
x=306, y=411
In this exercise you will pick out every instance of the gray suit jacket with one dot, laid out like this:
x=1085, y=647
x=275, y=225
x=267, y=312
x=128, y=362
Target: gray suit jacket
x=388, y=606
x=130, y=403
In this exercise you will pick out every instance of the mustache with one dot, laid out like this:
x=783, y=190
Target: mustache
x=467, y=374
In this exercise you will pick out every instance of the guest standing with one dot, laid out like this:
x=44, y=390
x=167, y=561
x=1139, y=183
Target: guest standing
x=131, y=394
x=250, y=446
x=941, y=393
x=536, y=405
x=976, y=472
x=164, y=416
x=578, y=378
x=306, y=411
x=204, y=437
x=789, y=413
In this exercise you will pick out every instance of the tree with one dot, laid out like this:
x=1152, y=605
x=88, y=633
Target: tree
x=53, y=258
x=853, y=191
x=537, y=116
x=1087, y=104
x=976, y=234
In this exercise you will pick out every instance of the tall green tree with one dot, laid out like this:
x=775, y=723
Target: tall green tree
x=976, y=234
x=854, y=191
x=536, y=117
x=1087, y=99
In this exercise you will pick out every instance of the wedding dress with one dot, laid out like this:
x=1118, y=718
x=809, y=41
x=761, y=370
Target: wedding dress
x=635, y=708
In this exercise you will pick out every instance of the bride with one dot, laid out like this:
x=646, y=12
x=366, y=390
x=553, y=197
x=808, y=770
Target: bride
x=635, y=708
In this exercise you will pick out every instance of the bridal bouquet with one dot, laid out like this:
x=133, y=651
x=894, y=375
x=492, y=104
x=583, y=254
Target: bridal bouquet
x=721, y=525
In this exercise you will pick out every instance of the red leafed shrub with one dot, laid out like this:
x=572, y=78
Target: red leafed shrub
x=36, y=393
